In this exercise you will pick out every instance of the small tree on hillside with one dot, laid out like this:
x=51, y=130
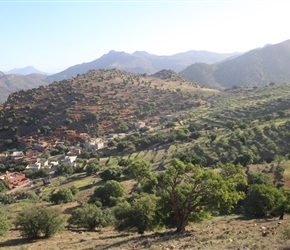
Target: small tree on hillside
x=64, y=195
x=90, y=217
x=139, y=171
x=92, y=168
x=37, y=222
x=263, y=201
x=109, y=193
x=138, y=215
x=64, y=168
x=111, y=174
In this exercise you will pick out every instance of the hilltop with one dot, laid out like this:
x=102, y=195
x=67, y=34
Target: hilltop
x=99, y=101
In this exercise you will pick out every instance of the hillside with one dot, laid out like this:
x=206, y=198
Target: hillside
x=14, y=82
x=218, y=126
x=246, y=126
x=141, y=62
x=257, y=67
x=99, y=101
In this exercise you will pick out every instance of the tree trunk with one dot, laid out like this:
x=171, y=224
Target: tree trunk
x=281, y=216
x=180, y=228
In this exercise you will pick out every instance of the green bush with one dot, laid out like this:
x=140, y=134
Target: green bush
x=4, y=225
x=262, y=201
x=111, y=174
x=109, y=193
x=6, y=199
x=90, y=217
x=138, y=215
x=64, y=195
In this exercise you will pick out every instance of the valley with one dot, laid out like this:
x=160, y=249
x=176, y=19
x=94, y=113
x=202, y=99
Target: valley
x=130, y=129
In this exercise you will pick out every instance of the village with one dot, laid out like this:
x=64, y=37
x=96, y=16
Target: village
x=35, y=159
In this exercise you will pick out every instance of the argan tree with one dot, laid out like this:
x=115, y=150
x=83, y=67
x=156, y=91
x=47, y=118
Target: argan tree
x=90, y=217
x=37, y=222
x=108, y=194
x=193, y=193
x=63, y=195
x=138, y=214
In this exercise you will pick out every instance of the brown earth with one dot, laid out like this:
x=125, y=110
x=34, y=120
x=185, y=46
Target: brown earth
x=219, y=233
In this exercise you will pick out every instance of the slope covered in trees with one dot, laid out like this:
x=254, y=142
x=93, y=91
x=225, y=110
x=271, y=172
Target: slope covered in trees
x=257, y=67
x=97, y=102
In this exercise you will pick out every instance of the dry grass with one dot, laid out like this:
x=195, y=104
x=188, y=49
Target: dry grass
x=220, y=233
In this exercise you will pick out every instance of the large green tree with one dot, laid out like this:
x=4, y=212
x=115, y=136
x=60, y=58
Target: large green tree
x=194, y=192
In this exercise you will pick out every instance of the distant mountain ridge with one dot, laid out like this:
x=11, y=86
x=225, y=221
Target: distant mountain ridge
x=141, y=62
x=14, y=82
x=257, y=67
x=26, y=71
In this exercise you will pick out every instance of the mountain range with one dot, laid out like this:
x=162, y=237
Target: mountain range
x=15, y=82
x=257, y=67
x=141, y=62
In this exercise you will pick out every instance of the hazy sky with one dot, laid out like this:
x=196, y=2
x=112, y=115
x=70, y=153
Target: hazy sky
x=54, y=35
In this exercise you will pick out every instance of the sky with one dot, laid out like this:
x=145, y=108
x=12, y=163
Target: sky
x=54, y=35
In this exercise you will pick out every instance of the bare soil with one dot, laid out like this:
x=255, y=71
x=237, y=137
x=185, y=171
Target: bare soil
x=227, y=232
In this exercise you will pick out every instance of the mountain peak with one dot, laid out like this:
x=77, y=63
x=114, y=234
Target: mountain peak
x=141, y=53
x=26, y=71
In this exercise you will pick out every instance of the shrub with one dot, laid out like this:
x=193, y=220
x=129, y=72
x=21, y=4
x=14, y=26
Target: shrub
x=6, y=199
x=64, y=168
x=4, y=225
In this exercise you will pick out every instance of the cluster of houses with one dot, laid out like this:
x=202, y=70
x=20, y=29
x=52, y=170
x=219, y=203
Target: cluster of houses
x=33, y=160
